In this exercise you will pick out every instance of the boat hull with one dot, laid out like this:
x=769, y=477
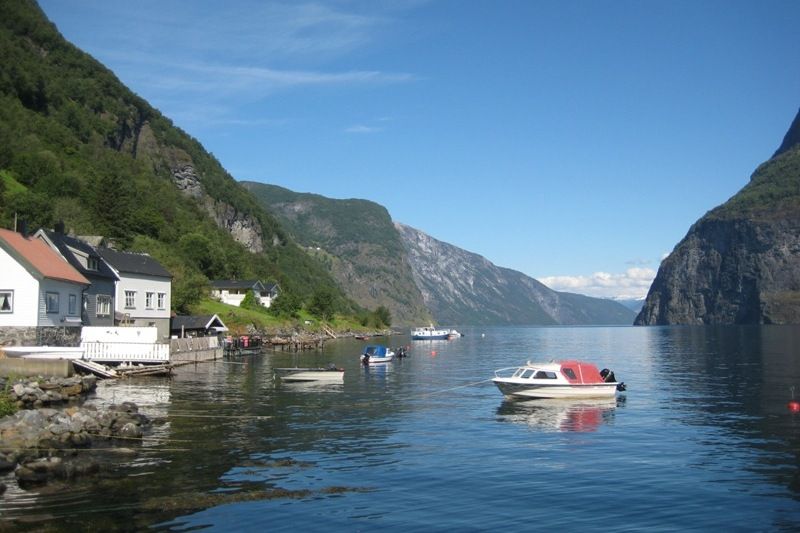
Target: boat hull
x=378, y=360
x=44, y=352
x=310, y=374
x=430, y=337
x=514, y=390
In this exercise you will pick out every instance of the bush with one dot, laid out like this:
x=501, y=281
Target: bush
x=7, y=407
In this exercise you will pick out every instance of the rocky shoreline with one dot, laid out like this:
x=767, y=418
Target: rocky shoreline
x=43, y=440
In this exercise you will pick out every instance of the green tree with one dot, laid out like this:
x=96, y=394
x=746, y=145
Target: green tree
x=188, y=288
x=250, y=302
x=383, y=316
x=322, y=304
x=287, y=304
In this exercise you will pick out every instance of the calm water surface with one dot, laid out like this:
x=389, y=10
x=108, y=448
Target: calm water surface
x=702, y=440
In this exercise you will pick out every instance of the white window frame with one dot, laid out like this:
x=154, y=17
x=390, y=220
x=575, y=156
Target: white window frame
x=102, y=305
x=7, y=295
x=56, y=299
x=148, y=300
x=130, y=299
x=162, y=300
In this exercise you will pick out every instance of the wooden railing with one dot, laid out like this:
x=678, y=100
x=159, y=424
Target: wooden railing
x=132, y=352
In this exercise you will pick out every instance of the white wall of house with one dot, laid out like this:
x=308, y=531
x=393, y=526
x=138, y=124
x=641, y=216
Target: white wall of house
x=235, y=296
x=141, y=285
x=137, y=311
x=266, y=301
x=25, y=292
x=230, y=297
x=67, y=312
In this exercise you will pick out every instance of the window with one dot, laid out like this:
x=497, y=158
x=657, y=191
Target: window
x=51, y=302
x=73, y=304
x=103, y=305
x=162, y=300
x=148, y=300
x=6, y=301
x=130, y=299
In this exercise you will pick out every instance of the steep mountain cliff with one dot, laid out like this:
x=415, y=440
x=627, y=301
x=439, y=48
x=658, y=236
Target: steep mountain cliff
x=740, y=263
x=356, y=241
x=461, y=287
x=77, y=145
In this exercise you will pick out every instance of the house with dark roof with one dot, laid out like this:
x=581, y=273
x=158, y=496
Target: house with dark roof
x=232, y=292
x=142, y=292
x=97, y=308
x=197, y=326
x=38, y=288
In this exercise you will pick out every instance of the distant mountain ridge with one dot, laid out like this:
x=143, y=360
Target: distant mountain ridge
x=462, y=287
x=740, y=263
x=380, y=262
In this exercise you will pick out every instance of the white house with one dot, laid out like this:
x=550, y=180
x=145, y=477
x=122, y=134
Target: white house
x=232, y=292
x=38, y=288
x=143, y=291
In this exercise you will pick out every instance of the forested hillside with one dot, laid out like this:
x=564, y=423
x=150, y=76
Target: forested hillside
x=358, y=244
x=77, y=146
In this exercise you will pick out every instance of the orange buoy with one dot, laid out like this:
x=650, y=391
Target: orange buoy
x=793, y=405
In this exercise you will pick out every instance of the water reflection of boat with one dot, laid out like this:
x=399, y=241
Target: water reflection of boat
x=582, y=415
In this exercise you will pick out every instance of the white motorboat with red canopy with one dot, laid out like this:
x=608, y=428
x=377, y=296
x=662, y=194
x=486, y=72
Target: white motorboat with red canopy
x=565, y=379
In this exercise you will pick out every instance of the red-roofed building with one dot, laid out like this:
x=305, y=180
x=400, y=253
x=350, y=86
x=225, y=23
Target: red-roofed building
x=38, y=288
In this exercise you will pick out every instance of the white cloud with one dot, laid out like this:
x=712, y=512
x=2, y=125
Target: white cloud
x=633, y=283
x=361, y=128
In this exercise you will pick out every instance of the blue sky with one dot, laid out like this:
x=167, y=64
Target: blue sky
x=573, y=141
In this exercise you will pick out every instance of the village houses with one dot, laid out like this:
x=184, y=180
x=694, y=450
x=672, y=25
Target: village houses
x=40, y=293
x=232, y=292
x=53, y=284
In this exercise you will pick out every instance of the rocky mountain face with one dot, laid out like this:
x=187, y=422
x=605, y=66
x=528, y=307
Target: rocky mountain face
x=357, y=243
x=740, y=263
x=460, y=287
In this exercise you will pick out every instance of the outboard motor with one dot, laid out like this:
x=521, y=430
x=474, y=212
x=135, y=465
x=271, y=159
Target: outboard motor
x=607, y=375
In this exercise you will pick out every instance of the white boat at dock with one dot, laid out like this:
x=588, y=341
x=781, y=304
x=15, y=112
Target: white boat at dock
x=330, y=374
x=44, y=352
x=565, y=379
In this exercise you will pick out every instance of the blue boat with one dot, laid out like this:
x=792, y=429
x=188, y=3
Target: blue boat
x=376, y=354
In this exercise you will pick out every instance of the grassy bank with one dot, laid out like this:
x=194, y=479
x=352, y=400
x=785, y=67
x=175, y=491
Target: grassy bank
x=242, y=321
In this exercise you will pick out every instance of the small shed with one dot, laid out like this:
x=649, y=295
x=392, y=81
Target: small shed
x=197, y=326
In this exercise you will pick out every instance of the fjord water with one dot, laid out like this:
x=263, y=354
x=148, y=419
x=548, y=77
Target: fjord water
x=701, y=440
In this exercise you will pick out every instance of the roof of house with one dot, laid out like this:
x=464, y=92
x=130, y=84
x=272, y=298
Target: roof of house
x=133, y=263
x=65, y=242
x=236, y=284
x=192, y=322
x=38, y=258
